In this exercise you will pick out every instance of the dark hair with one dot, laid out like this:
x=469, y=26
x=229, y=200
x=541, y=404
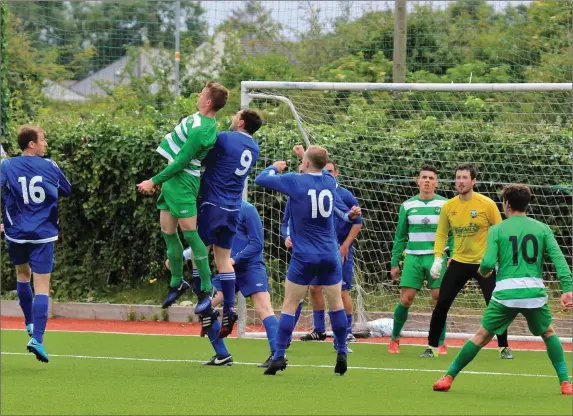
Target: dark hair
x=252, y=120
x=428, y=168
x=218, y=95
x=332, y=163
x=517, y=196
x=469, y=167
x=318, y=156
x=27, y=134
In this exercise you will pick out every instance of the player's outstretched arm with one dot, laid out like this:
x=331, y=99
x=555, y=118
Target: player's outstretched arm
x=255, y=234
x=64, y=185
x=556, y=255
x=270, y=179
x=187, y=153
x=490, y=256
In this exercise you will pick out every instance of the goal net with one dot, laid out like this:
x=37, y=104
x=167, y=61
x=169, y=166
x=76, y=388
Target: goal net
x=379, y=135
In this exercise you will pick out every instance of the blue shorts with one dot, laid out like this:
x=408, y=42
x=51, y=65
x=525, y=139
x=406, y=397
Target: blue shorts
x=250, y=279
x=40, y=256
x=347, y=271
x=217, y=224
x=314, y=269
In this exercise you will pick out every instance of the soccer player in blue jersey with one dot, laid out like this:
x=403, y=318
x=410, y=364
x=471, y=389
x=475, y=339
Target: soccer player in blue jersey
x=227, y=166
x=346, y=233
x=348, y=222
x=252, y=281
x=30, y=187
x=315, y=250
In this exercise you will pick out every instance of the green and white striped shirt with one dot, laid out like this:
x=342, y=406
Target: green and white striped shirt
x=417, y=223
x=519, y=244
x=186, y=146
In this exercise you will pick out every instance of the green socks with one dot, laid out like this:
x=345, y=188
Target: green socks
x=400, y=317
x=175, y=257
x=200, y=257
x=555, y=352
x=464, y=357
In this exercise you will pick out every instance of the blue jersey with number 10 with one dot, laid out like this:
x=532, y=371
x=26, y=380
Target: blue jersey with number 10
x=227, y=166
x=30, y=189
x=312, y=201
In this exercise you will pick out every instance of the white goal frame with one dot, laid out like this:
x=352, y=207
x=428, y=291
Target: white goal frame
x=247, y=96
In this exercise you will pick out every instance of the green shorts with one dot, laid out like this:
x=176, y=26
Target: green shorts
x=417, y=269
x=179, y=195
x=498, y=317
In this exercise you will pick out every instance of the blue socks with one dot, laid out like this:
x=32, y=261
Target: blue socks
x=284, y=334
x=196, y=282
x=217, y=343
x=298, y=312
x=271, y=324
x=339, y=327
x=40, y=315
x=296, y=317
x=228, y=287
x=25, y=297
x=349, y=319
x=319, y=321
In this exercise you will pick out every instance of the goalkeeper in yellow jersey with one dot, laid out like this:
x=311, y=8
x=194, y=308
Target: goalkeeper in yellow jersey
x=468, y=216
x=518, y=244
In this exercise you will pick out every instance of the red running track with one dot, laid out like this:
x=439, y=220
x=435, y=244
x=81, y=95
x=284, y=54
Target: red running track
x=179, y=328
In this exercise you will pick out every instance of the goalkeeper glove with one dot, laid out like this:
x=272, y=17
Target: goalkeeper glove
x=436, y=269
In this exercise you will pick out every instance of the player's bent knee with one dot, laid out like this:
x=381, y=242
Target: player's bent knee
x=188, y=224
x=482, y=337
x=407, y=296
x=23, y=272
x=262, y=302
x=548, y=333
x=42, y=283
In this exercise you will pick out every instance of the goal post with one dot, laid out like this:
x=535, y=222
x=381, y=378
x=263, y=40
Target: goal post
x=380, y=135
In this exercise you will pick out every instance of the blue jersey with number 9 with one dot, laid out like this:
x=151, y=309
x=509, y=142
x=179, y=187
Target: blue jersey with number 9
x=312, y=202
x=30, y=189
x=227, y=166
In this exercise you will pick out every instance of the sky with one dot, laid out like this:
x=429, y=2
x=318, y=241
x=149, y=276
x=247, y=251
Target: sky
x=292, y=14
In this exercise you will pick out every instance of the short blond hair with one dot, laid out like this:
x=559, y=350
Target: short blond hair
x=28, y=133
x=317, y=156
x=218, y=95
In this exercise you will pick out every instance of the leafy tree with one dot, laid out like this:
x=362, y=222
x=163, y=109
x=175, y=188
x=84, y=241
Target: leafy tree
x=253, y=21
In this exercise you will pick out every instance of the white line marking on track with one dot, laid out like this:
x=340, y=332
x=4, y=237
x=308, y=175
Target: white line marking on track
x=168, y=360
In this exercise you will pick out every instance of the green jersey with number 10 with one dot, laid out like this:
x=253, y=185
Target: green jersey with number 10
x=519, y=244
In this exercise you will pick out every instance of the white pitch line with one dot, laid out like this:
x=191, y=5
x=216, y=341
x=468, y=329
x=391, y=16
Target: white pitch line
x=260, y=339
x=169, y=360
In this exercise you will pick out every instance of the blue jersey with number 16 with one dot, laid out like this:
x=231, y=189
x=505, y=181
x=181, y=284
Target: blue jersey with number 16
x=227, y=166
x=312, y=201
x=30, y=189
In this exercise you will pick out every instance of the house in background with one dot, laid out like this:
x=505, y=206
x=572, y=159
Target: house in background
x=116, y=74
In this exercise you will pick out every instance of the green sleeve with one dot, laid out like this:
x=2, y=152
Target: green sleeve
x=187, y=153
x=556, y=255
x=400, y=237
x=491, y=252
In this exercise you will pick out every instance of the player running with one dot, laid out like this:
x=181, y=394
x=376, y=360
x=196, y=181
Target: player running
x=518, y=244
x=30, y=187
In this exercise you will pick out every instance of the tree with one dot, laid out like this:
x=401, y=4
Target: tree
x=254, y=22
